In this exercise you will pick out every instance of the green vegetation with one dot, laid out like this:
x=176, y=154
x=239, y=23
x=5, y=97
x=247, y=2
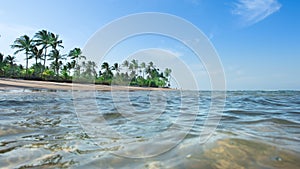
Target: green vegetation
x=45, y=46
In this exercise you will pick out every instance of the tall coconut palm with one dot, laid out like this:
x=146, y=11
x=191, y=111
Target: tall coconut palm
x=23, y=43
x=43, y=38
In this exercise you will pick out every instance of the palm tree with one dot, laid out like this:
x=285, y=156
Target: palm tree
x=143, y=66
x=126, y=64
x=2, y=64
x=70, y=66
x=116, y=67
x=131, y=68
x=76, y=53
x=10, y=60
x=36, y=54
x=77, y=70
x=56, y=56
x=24, y=43
x=135, y=64
x=167, y=75
x=107, y=72
x=1, y=57
x=65, y=71
x=43, y=38
x=105, y=66
x=90, y=69
x=151, y=65
x=55, y=42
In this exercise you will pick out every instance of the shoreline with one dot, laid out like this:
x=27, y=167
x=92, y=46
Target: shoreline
x=14, y=84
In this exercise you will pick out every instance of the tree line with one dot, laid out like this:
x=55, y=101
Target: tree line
x=46, y=46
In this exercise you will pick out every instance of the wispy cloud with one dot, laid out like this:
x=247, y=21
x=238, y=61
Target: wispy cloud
x=253, y=11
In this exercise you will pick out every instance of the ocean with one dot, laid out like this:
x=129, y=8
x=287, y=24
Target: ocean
x=149, y=129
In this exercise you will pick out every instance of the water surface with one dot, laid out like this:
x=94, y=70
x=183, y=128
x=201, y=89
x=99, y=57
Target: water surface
x=41, y=129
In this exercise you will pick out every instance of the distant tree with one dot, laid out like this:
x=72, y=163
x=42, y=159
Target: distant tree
x=55, y=42
x=36, y=54
x=10, y=60
x=90, y=69
x=1, y=57
x=56, y=57
x=167, y=75
x=116, y=67
x=76, y=53
x=11, y=69
x=151, y=64
x=125, y=64
x=143, y=66
x=107, y=72
x=2, y=64
x=71, y=65
x=65, y=72
x=77, y=70
x=135, y=64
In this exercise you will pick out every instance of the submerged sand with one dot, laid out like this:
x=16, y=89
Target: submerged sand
x=14, y=84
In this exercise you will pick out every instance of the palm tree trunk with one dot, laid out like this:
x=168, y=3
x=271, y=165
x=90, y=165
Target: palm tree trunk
x=57, y=68
x=26, y=63
x=143, y=74
x=44, y=67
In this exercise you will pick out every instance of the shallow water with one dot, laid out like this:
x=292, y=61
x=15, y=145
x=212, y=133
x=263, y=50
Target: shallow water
x=54, y=129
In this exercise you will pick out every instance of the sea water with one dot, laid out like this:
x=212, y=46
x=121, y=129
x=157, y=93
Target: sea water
x=53, y=129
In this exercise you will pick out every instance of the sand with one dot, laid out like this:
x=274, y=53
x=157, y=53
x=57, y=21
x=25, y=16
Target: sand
x=14, y=84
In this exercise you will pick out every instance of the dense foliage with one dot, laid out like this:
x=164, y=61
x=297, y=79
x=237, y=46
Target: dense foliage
x=45, y=46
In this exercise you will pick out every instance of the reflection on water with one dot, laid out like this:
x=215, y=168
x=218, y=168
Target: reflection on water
x=258, y=129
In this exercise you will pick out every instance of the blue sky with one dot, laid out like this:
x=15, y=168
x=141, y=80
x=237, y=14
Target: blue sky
x=258, y=41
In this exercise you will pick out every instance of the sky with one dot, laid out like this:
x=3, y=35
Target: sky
x=257, y=41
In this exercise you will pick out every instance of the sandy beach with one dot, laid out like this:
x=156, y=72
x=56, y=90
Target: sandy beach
x=14, y=84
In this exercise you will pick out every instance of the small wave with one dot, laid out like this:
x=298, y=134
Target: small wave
x=271, y=120
x=243, y=112
x=33, y=122
x=15, y=102
x=112, y=115
x=229, y=118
